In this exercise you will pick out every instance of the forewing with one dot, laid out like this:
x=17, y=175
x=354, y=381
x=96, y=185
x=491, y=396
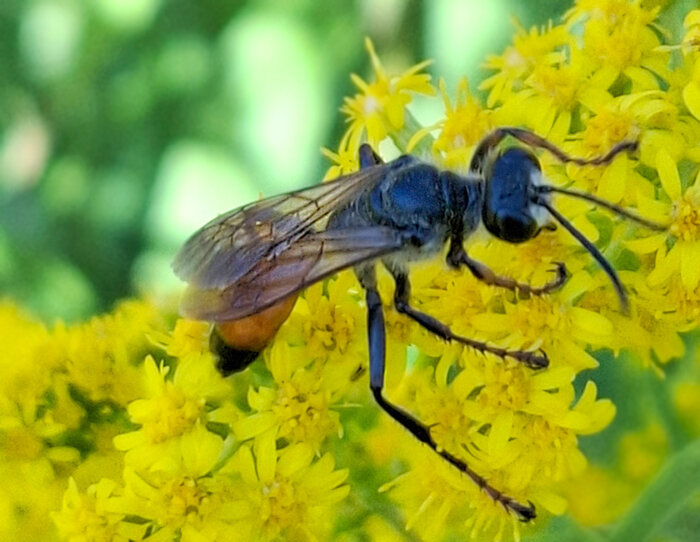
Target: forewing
x=231, y=245
x=311, y=258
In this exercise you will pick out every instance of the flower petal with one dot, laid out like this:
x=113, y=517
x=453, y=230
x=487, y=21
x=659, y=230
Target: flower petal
x=668, y=174
x=691, y=97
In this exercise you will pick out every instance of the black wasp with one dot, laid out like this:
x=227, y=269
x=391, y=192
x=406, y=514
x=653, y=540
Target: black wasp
x=246, y=267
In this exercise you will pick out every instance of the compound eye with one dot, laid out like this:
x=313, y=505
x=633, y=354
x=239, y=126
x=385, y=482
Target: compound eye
x=515, y=227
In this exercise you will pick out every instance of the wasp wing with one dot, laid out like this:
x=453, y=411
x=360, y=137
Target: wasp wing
x=231, y=245
x=309, y=259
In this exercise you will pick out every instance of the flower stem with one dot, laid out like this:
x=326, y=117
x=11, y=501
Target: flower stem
x=676, y=481
x=410, y=127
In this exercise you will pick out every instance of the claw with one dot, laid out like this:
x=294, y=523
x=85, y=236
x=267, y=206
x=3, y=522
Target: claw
x=539, y=362
x=530, y=359
x=524, y=513
x=561, y=271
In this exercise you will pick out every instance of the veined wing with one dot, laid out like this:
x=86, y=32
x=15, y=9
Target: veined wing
x=228, y=247
x=309, y=259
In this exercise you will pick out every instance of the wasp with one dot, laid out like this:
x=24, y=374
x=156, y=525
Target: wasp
x=246, y=267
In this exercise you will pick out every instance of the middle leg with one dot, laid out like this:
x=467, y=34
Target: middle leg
x=457, y=257
x=402, y=296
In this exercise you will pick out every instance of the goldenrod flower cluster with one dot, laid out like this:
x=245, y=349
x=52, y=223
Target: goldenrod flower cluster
x=127, y=418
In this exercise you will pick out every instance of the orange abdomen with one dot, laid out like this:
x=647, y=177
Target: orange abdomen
x=238, y=342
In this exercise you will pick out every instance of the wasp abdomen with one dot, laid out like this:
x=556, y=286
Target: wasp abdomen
x=238, y=342
x=230, y=360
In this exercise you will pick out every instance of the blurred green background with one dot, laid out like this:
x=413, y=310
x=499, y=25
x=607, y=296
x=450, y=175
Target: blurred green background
x=127, y=124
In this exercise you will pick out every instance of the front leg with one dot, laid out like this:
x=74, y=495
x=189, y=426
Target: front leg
x=401, y=302
x=457, y=256
x=491, y=141
x=376, y=335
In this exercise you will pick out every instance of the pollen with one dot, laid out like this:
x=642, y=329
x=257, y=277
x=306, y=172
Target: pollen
x=560, y=84
x=168, y=415
x=331, y=329
x=505, y=387
x=302, y=408
x=280, y=506
x=685, y=215
x=466, y=121
x=605, y=130
x=370, y=104
x=538, y=315
x=186, y=500
x=328, y=322
x=557, y=449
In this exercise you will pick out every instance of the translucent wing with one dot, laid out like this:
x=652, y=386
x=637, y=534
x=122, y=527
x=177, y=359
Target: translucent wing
x=307, y=260
x=252, y=257
x=229, y=246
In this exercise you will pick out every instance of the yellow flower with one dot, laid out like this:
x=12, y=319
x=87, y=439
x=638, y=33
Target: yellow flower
x=464, y=125
x=651, y=333
x=440, y=503
x=538, y=47
x=647, y=117
x=172, y=410
x=99, y=356
x=188, y=336
x=23, y=378
x=551, y=323
x=211, y=495
x=299, y=406
x=550, y=96
x=345, y=160
x=517, y=428
x=683, y=212
x=36, y=407
x=379, y=108
x=285, y=493
x=180, y=503
x=30, y=491
x=330, y=326
x=618, y=36
x=83, y=517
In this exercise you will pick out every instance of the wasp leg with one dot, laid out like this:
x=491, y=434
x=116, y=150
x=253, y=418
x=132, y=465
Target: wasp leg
x=368, y=157
x=532, y=139
x=458, y=256
x=402, y=304
x=377, y=349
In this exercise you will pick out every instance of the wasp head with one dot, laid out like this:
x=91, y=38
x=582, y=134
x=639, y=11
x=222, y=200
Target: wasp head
x=509, y=211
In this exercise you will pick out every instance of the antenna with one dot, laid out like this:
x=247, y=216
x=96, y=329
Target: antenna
x=593, y=251
x=546, y=189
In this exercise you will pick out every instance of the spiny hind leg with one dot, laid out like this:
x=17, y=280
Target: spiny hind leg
x=377, y=351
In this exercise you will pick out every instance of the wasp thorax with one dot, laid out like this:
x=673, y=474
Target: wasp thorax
x=508, y=207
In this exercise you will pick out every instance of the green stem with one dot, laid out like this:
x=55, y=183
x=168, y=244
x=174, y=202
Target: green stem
x=677, y=480
x=410, y=127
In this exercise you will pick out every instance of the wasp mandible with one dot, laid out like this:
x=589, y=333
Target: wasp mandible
x=246, y=267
